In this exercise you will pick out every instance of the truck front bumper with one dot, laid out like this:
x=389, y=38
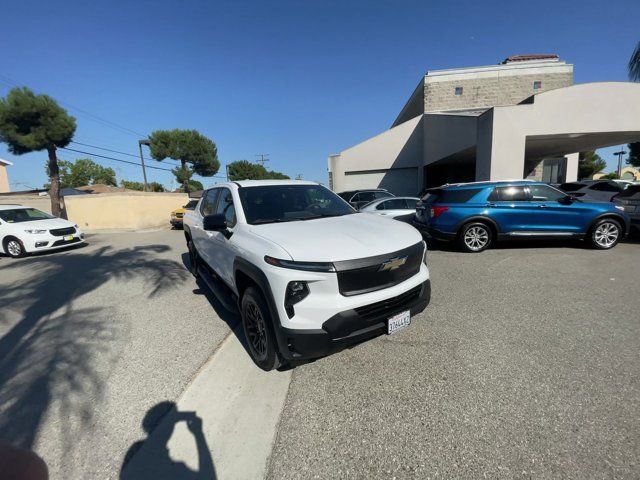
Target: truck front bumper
x=353, y=326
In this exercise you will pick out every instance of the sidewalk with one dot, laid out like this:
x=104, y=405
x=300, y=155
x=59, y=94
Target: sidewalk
x=223, y=427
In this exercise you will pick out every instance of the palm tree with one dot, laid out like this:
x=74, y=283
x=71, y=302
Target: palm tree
x=634, y=65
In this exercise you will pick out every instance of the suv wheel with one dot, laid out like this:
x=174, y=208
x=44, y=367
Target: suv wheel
x=605, y=234
x=256, y=323
x=475, y=237
x=13, y=247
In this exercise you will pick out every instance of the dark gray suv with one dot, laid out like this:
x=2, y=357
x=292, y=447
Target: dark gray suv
x=359, y=198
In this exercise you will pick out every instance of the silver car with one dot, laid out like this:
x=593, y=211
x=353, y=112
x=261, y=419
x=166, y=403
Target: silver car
x=400, y=208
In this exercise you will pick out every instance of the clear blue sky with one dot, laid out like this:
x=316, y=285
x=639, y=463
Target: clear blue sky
x=295, y=79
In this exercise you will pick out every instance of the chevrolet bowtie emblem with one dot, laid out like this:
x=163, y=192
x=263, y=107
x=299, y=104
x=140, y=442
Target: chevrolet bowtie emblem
x=393, y=264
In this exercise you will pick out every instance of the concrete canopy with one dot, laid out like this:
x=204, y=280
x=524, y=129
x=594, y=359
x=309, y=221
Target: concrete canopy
x=556, y=123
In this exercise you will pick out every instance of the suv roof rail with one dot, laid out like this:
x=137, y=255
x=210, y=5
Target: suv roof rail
x=488, y=181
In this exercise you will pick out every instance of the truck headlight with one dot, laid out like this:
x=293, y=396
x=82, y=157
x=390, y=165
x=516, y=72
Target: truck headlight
x=296, y=292
x=35, y=231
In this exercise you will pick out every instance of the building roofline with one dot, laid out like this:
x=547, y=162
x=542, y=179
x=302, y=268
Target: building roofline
x=406, y=104
x=5, y=162
x=522, y=65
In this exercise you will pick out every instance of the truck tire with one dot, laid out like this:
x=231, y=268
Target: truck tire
x=194, y=258
x=257, y=326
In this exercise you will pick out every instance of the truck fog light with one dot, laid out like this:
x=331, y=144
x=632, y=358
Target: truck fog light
x=41, y=244
x=296, y=292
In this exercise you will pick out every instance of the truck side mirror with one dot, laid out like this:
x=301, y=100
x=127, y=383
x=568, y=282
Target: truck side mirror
x=214, y=223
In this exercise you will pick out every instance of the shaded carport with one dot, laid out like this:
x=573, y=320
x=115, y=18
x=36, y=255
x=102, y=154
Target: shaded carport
x=557, y=123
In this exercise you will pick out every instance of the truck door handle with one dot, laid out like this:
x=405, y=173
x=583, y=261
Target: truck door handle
x=543, y=206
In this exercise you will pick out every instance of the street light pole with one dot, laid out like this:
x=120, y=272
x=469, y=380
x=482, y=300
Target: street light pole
x=144, y=171
x=620, y=154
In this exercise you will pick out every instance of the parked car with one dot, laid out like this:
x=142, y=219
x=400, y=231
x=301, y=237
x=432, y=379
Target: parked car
x=25, y=230
x=178, y=214
x=359, y=198
x=629, y=199
x=309, y=274
x=477, y=214
x=400, y=208
x=595, y=190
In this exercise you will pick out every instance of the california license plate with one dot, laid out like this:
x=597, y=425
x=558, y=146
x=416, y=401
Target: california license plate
x=68, y=238
x=398, y=322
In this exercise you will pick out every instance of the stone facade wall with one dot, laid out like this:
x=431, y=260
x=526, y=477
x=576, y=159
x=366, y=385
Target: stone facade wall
x=499, y=90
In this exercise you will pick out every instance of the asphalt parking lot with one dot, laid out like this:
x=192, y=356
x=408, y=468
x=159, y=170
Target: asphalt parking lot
x=526, y=364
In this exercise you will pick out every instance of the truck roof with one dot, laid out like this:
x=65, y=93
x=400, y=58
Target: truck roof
x=10, y=206
x=263, y=183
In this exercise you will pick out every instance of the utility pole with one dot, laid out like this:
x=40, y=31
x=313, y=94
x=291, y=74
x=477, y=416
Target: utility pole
x=263, y=158
x=620, y=154
x=144, y=171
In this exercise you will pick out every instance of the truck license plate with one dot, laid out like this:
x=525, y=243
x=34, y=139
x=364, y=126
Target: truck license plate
x=68, y=238
x=398, y=322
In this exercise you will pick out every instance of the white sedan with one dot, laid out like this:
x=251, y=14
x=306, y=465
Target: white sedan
x=400, y=208
x=26, y=230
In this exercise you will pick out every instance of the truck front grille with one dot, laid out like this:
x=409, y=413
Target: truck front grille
x=386, y=307
x=366, y=275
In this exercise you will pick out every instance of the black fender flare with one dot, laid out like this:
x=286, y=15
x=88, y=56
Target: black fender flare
x=260, y=279
x=479, y=218
x=613, y=215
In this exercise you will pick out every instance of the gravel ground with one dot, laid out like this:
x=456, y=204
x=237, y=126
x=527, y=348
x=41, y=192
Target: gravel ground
x=93, y=337
x=526, y=364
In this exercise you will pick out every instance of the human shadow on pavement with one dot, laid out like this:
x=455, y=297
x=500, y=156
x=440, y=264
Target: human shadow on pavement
x=49, y=347
x=149, y=459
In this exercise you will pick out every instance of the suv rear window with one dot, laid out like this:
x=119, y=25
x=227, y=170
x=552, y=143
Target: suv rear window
x=571, y=187
x=450, y=196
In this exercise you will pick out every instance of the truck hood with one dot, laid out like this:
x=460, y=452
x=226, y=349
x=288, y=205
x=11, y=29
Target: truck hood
x=333, y=239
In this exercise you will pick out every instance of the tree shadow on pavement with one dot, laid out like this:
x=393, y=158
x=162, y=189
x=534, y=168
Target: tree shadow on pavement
x=48, y=348
x=149, y=459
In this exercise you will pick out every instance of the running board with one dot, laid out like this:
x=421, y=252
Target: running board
x=222, y=293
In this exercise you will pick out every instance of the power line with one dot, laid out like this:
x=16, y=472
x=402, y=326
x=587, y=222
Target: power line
x=114, y=159
x=118, y=151
x=124, y=161
x=9, y=81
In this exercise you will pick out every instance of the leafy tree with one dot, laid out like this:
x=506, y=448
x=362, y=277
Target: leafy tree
x=197, y=153
x=634, y=65
x=32, y=123
x=151, y=187
x=244, y=170
x=195, y=185
x=590, y=163
x=634, y=154
x=610, y=176
x=84, y=171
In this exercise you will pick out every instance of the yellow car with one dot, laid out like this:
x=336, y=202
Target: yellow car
x=178, y=213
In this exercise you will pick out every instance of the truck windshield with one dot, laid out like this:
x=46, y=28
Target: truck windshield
x=285, y=203
x=18, y=215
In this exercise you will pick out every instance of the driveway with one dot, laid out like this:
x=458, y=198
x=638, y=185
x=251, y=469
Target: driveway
x=526, y=364
x=91, y=339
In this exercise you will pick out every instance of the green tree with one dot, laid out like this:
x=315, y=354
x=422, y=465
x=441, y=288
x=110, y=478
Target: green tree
x=32, y=123
x=131, y=185
x=610, y=176
x=84, y=171
x=634, y=154
x=634, y=64
x=244, y=170
x=197, y=153
x=151, y=187
x=590, y=163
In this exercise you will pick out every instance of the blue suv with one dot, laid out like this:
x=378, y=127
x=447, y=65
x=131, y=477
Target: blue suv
x=477, y=214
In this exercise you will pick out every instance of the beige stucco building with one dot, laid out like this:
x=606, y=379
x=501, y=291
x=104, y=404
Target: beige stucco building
x=4, y=176
x=523, y=118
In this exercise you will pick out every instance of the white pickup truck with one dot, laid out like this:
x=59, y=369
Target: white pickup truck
x=309, y=274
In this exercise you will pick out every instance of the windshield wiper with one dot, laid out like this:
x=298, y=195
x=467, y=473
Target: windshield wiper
x=272, y=220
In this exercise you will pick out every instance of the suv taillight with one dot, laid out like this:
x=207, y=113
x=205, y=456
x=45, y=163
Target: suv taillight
x=437, y=211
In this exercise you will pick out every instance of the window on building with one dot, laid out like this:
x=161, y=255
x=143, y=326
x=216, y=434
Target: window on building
x=537, y=85
x=458, y=91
